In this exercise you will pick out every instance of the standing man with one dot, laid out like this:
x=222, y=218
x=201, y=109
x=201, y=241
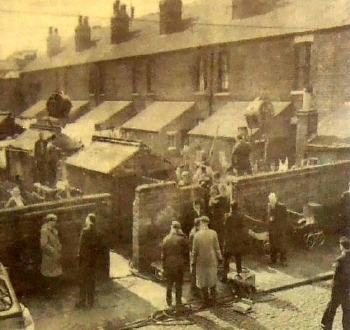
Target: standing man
x=241, y=156
x=51, y=264
x=277, y=224
x=40, y=149
x=340, y=289
x=234, y=241
x=345, y=212
x=175, y=254
x=52, y=158
x=206, y=257
x=194, y=230
x=88, y=249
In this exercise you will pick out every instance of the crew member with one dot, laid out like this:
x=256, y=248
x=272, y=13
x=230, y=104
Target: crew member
x=241, y=156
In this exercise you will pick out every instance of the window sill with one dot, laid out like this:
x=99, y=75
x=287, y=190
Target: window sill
x=222, y=94
x=201, y=93
x=172, y=149
x=150, y=94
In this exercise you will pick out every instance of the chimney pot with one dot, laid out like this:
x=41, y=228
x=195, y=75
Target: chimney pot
x=132, y=12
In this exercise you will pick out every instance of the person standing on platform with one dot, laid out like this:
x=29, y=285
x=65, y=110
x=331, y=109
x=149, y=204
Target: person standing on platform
x=206, y=258
x=235, y=240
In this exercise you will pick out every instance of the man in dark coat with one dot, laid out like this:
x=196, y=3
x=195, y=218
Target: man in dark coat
x=196, y=211
x=277, y=224
x=175, y=253
x=340, y=289
x=234, y=241
x=88, y=249
x=345, y=212
x=240, y=156
x=40, y=150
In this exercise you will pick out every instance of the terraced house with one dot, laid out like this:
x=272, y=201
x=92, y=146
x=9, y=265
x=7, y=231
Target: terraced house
x=209, y=53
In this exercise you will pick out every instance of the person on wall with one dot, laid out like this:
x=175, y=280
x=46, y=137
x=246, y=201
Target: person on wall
x=175, y=253
x=40, y=150
x=241, y=156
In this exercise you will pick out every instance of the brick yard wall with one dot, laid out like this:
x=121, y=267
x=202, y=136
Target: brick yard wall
x=322, y=184
x=156, y=205
x=20, y=233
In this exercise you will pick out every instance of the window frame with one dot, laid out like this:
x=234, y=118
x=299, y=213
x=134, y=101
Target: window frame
x=223, y=82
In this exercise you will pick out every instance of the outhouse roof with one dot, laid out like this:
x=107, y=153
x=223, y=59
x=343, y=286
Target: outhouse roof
x=226, y=121
x=157, y=116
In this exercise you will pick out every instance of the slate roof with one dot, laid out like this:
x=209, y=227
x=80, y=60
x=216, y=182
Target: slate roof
x=226, y=121
x=34, y=110
x=157, y=115
x=211, y=23
x=103, y=157
x=103, y=112
x=27, y=139
x=334, y=128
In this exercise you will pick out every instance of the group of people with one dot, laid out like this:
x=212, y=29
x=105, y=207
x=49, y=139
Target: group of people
x=51, y=263
x=211, y=243
x=46, y=156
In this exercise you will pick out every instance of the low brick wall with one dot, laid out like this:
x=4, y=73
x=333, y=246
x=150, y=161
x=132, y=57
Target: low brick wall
x=20, y=234
x=156, y=205
x=322, y=184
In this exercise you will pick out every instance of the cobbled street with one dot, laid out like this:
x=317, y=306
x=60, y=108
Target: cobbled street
x=129, y=298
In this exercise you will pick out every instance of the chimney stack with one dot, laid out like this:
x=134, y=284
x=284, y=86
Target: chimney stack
x=132, y=15
x=53, y=42
x=170, y=14
x=120, y=23
x=82, y=34
x=244, y=8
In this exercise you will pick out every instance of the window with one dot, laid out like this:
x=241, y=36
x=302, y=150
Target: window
x=97, y=79
x=57, y=80
x=222, y=72
x=172, y=145
x=101, y=76
x=65, y=80
x=149, y=77
x=202, y=74
x=134, y=78
x=302, y=65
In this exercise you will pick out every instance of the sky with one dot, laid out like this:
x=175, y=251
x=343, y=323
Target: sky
x=24, y=26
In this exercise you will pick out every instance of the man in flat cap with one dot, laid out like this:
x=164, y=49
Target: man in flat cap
x=206, y=257
x=175, y=254
x=51, y=263
x=340, y=288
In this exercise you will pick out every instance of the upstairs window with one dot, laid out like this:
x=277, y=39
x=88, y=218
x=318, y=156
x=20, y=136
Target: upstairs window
x=222, y=72
x=202, y=74
x=302, y=55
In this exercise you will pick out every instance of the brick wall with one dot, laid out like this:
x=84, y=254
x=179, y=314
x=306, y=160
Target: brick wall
x=156, y=205
x=20, y=233
x=322, y=184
